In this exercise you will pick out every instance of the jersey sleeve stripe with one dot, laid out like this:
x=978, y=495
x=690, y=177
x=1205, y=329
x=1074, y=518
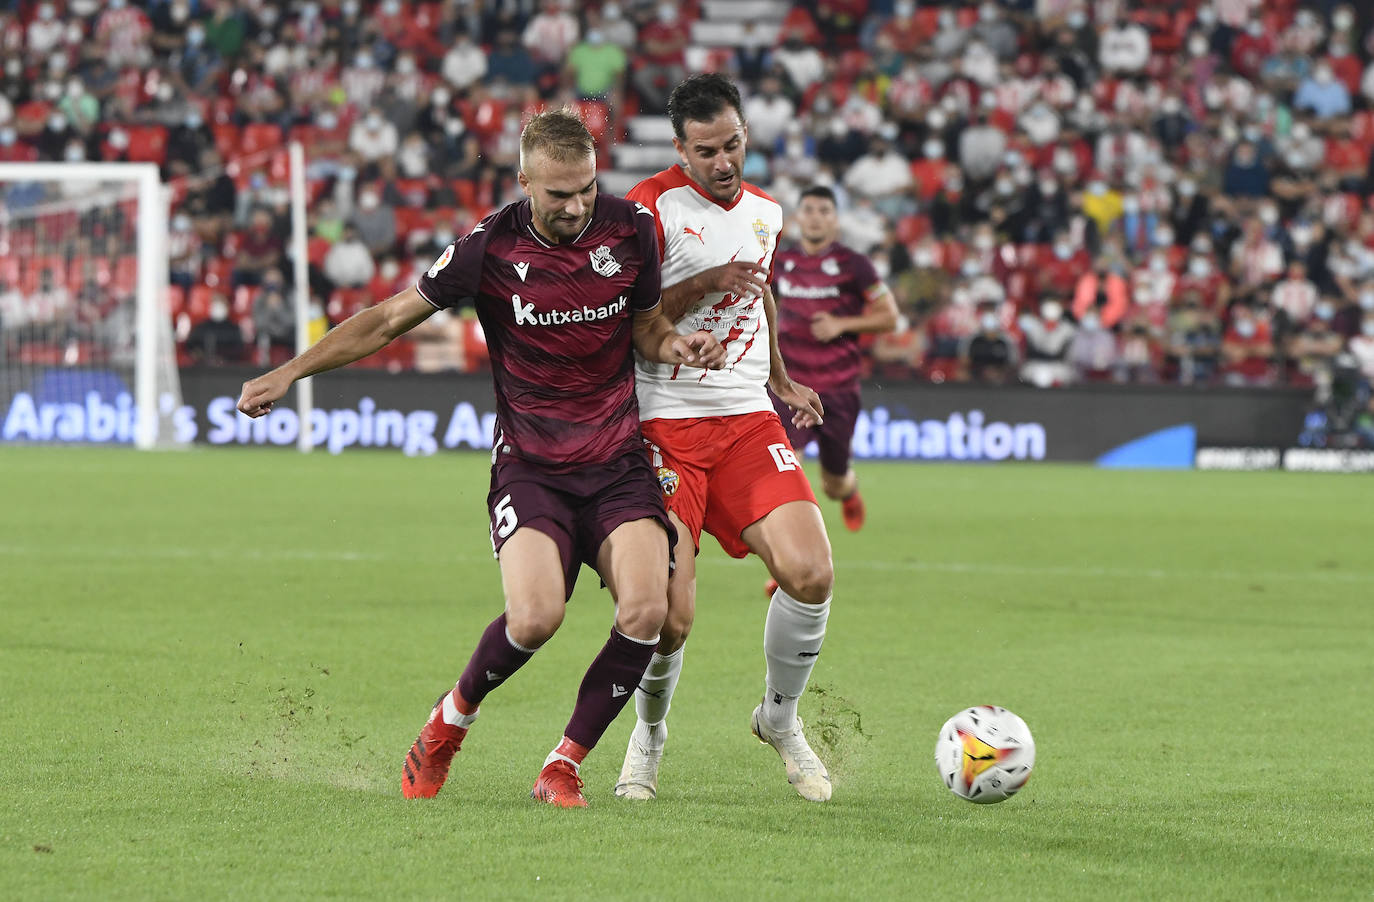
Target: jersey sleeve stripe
x=420, y=288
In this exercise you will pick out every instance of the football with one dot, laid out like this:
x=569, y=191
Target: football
x=985, y=754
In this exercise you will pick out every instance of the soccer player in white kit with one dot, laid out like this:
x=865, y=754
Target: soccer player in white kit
x=722, y=456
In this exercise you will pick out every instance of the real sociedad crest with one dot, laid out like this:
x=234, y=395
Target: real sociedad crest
x=762, y=232
x=603, y=263
x=667, y=480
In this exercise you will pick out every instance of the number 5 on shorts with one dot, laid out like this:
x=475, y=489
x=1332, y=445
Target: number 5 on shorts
x=503, y=519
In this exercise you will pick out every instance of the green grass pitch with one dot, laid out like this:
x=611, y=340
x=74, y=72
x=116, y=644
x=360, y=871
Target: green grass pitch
x=213, y=662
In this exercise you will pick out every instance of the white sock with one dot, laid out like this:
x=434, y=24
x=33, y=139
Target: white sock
x=792, y=637
x=656, y=687
x=452, y=716
x=554, y=756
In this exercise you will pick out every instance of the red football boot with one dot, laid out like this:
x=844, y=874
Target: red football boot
x=559, y=784
x=853, y=510
x=426, y=767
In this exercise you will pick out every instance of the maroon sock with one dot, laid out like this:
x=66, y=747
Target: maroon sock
x=492, y=662
x=610, y=683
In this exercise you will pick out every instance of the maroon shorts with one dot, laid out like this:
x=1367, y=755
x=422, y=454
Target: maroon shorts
x=834, y=435
x=577, y=508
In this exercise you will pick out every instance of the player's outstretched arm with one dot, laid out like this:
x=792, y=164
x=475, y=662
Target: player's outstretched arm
x=656, y=340
x=361, y=334
x=807, y=409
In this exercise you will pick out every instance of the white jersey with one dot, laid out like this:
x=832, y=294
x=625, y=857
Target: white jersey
x=695, y=233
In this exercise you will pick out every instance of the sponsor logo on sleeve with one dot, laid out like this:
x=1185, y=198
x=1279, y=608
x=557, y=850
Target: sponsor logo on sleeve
x=443, y=260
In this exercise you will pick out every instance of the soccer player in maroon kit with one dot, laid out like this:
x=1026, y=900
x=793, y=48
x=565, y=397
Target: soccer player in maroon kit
x=827, y=296
x=565, y=284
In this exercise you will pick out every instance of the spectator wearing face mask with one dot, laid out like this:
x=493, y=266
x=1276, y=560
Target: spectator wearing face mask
x=363, y=81
x=1103, y=291
x=1247, y=348
x=662, y=61
x=1311, y=347
x=1048, y=336
x=882, y=176
x=1251, y=48
x=1246, y=175
x=464, y=63
x=1193, y=341
x=799, y=58
x=261, y=248
x=274, y=318
x=375, y=221
x=1092, y=352
x=1293, y=299
x=990, y=355
x=596, y=66
x=550, y=34
x=349, y=263
x=216, y=340
x=1256, y=259
x=1060, y=267
x=12, y=150
x=768, y=112
x=225, y=30
x=1124, y=47
x=372, y=138
x=1345, y=66
x=1323, y=94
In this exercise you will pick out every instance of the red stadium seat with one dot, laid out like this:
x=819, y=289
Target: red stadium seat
x=228, y=137
x=316, y=248
x=98, y=267
x=28, y=282
x=415, y=191
x=147, y=144
x=260, y=136
x=126, y=274
x=244, y=296
x=466, y=192
x=596, y=116
x=218, y=271
x=198, y=303
x=410, y=220
x=176, y=301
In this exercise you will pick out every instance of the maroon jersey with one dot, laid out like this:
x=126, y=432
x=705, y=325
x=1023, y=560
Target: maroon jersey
x=558, y=320
x=833, y=281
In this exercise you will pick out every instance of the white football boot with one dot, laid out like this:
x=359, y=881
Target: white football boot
x=805, y=771
x=639, y=774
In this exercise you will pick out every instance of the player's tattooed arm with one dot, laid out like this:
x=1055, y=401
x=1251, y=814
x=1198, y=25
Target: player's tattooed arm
x=739, y=277
x=807, y=409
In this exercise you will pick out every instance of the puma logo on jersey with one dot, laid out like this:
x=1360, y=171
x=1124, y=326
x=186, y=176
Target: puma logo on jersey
x=696, y=233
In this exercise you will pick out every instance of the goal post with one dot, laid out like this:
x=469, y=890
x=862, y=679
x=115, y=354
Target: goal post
x=71, y=263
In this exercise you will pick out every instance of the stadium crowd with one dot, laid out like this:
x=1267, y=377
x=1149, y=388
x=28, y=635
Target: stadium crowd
x=1057, y=190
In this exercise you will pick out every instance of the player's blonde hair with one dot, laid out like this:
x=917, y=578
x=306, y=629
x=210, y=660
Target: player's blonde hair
x=558, y=135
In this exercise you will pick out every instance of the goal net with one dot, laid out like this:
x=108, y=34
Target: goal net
x=86, y=346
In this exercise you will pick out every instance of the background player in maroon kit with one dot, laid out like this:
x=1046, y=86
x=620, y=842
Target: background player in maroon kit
x=564, y=285
x=827, y=296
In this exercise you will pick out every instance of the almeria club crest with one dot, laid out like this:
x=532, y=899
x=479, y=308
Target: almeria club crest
x=603, y=263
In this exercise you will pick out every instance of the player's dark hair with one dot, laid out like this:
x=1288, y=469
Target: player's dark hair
x=821, y=191
x=559, y=135
x=700, y=99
